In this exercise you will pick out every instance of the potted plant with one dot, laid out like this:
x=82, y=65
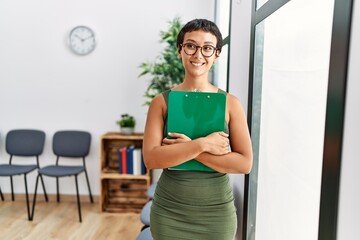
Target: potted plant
x=126, y=123
x=166, y=70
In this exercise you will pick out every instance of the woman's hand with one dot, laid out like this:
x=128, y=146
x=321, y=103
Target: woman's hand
x=217, y=143
x=176, y=138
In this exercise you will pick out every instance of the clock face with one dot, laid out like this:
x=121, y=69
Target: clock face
x=82, y=40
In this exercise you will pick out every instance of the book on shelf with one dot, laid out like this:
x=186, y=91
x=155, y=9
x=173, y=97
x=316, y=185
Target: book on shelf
x=122, y=159
x=137, y=160
x=143, y=167
x=131, y=160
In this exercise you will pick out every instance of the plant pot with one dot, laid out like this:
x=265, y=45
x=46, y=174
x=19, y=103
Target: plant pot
x=127, y=130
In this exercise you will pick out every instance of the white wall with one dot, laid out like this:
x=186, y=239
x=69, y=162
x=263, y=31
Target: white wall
x=349, y=207
x=44, y=85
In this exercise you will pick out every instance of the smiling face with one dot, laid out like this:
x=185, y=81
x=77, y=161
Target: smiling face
x=196, y=65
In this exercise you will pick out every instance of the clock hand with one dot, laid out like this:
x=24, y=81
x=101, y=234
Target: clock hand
x=89, y=37
x=79, y=37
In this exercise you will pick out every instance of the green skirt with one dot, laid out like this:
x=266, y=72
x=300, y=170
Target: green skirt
x=193, y=205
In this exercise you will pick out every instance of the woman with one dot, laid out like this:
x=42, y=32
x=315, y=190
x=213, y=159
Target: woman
x=196, y=204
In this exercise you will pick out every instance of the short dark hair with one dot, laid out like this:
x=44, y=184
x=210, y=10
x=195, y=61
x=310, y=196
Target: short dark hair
x=203, y=25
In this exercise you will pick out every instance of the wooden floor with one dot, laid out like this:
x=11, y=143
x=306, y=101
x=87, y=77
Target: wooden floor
x=54, y=220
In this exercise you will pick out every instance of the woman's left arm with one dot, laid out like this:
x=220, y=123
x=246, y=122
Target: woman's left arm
x=239, y=159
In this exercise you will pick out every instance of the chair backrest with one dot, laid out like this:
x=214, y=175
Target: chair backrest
x=71, y=143
x=25, y=142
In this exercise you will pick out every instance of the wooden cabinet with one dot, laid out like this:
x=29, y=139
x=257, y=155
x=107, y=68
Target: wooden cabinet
x=121, y=192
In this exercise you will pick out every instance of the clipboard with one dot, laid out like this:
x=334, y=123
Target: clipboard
x=195, y=114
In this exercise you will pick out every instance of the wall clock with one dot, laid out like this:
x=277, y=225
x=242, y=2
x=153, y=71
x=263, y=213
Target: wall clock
x=82, y=40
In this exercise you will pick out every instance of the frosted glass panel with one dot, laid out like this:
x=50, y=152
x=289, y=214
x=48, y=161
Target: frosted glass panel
x=220, y=76
x=289, y=103
x=259, y=3
x=221, y=68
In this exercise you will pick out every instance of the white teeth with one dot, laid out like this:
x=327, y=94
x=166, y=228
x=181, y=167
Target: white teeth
x=197, y=64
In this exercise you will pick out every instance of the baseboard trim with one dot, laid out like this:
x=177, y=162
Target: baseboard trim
x=51, y=197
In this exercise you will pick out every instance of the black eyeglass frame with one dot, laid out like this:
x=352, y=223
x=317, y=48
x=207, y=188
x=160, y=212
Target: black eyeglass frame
x=197, y=47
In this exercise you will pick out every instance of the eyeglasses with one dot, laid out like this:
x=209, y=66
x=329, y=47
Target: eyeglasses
x=191, y=49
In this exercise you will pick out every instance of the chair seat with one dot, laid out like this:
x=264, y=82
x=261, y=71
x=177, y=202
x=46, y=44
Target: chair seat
x=145, y=234
x=145, y=214
x=151, y=191
x=61, y=171
x=13, y=169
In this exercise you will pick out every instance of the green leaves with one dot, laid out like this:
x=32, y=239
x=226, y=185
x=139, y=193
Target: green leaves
x=166, y=71
x=126, y=121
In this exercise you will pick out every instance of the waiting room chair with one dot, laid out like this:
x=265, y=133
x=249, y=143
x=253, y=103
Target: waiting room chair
x=22, y=143
x=145, y=211
x=151, y=191
x=145, y=234
x=145, y=214
x=72, y=145
x=1, y=195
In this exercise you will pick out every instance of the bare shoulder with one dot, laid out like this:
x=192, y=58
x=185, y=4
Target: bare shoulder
x=233, y=103
x=158, y=101
x=158, y=104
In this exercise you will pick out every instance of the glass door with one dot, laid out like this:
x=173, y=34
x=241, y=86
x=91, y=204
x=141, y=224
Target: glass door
x=289, y=97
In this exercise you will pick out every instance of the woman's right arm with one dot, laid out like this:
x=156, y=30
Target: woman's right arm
x=158, y=155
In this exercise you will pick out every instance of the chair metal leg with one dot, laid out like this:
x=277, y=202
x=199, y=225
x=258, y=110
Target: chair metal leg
x=12, y=189
x=78, y=198
x=27, y=198
x=88, y=183
x=34, y=200
x=57, y=190
x=45, y=194
x=1, y=195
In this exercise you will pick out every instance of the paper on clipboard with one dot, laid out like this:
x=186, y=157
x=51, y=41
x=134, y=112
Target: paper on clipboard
x=195, y=114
